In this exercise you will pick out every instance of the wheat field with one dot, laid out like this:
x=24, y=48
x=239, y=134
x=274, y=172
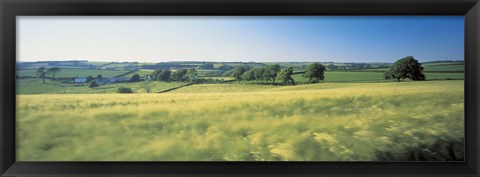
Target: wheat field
x=318, y=122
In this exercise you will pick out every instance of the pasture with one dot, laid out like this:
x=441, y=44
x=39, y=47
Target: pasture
x=73, y=72
x=35, y=86
x=142, y=73
x=357, y=76
x=245, y=122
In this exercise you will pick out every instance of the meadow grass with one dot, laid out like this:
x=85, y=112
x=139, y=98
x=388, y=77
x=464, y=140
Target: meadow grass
x=321, y=122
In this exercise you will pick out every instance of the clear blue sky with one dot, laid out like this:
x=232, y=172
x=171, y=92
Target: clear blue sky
x=246, y=38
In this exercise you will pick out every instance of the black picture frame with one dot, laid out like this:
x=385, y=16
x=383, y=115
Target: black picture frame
x=9, y=9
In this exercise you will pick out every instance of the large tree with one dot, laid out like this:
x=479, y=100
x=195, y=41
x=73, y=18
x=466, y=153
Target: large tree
x=147, y=86
x=92, y=84
x=249, y=75
x=179, y=75
x=192, y=75
x=164, y=76
x=404, y=68
x=41, y=73
x=270, y=72
x=135, y=78
x=156, y=73
x=314, y=73
x=237, y=72
x=89, y=78
x=53, y=71
x=258, y=74
x=285, y=76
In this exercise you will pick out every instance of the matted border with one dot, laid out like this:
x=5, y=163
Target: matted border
x=9, y=9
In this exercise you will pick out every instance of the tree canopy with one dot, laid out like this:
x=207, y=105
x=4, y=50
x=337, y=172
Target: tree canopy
x=41, y=73
x=314, y=73
x=404, y=68
x=53, y=71
x=92, y=84
x=180, y=75
x=237, y=72
x=285, y=76
x=270, y=72
x=135, y=78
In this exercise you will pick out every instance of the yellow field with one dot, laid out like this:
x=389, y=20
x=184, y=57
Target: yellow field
x=327, y=121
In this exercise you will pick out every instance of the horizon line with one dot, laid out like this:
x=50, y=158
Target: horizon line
x=226, y=61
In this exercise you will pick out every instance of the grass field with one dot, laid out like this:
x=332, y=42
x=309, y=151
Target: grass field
x=445, y=67
x=35, y=86
x=435, y=67
x=327, y=121
x=219, y=78
x=141, y=72
x=97, y=63
x=117, y=65
x=371, y=77
x=73, y=72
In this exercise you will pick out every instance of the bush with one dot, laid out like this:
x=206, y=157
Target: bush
x=93, y=84
x=124, y=90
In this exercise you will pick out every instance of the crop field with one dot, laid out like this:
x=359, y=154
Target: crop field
x=35, y=86
x=245, y=122
x=71, y=72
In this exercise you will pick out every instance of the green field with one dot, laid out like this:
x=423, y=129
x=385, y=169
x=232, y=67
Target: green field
x=351, y=115
x=326, y=121
x=73, y=72
x=117, y=65
x=142, y=73
x=35, y=86
x=219, y=78
x=97, y=63
x=444, y=67
x=352, y=76
x=435, y=67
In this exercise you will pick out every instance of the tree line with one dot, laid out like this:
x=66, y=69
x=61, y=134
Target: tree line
x=42, y=72
x=314, y=73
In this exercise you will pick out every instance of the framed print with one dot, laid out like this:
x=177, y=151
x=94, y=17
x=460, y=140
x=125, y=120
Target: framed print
x=253, y=88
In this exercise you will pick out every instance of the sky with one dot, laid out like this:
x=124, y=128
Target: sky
x=240, y=38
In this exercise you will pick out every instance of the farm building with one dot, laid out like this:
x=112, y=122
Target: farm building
x=80, y=80
x=149, y=78
x=119, y=79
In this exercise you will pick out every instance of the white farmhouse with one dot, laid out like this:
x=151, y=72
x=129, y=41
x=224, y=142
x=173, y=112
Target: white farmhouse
x=80, y=80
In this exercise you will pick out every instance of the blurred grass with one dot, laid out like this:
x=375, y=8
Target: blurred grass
x=322, y=122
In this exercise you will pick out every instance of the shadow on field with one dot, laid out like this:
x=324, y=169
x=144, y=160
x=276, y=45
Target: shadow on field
x=442, y=150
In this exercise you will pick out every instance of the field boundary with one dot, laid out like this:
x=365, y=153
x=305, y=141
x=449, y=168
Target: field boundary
x=174, y=88
x=124, y=74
